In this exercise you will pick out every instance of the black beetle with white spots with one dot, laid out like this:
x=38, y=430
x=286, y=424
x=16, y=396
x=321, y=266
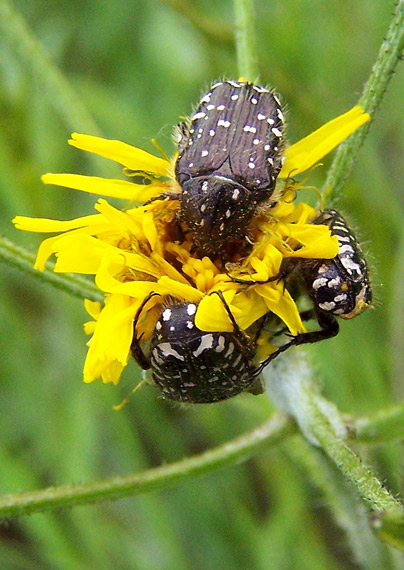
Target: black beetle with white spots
x=230, y=154
x=194, y=366
x=338, y=287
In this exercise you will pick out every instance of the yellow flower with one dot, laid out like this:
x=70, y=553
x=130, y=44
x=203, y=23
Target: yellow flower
x=134, y=252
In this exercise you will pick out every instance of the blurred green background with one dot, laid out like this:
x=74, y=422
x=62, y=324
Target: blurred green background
x=138, y=66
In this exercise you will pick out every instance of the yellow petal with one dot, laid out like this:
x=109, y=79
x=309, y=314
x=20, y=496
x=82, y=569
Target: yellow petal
x=281, y=303
x=180, y=290
x=167, y=269
x=133, y=158
x=121, y=221
x=112, y=373
x=150, y=231
x=109, y=346
x=45, y=250
x=211, y=314
x=89, y=327
x=301, y=214
x=106, y=187
x=309, y=150
x=44, y=225
x=135, y=289
x=248, y=307
x=80, y=253
x=93, y=308
x=325, y=247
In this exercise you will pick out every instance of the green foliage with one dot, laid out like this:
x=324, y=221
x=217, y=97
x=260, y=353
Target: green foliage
x=135, y=67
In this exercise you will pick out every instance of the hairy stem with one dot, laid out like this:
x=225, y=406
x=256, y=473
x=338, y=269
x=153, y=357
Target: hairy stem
x=390, y=53
x=240, y=449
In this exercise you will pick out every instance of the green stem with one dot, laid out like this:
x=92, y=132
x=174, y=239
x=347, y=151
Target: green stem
x=293, y=391
x=391, y=51
x=54, y=85
x=245, y=39
x=24, y=260
x=240, y=449
x=341, y=500
x=386, y=425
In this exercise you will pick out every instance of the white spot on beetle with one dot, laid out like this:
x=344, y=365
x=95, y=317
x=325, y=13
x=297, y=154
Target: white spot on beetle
x=156, y=356
x=334, y=282
x=206, y=98
x=276, y=132
x=229, y=350
x=191, y=309
x=223, y=123
x=319, y=282
x=346, y=249
x=205, y=344
x=220, y=344
x=235, y=194
x=166, y=315
x=212, y=132
x=199, y=115
x=350, y=265
x=341, y=297
x=221, y=107
x=237, y=361
x=260, y=117
x=167, y=350
x=329, y=306
x=323, y=268
x=259, y=89
x=339, y=311
x=204, y=153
